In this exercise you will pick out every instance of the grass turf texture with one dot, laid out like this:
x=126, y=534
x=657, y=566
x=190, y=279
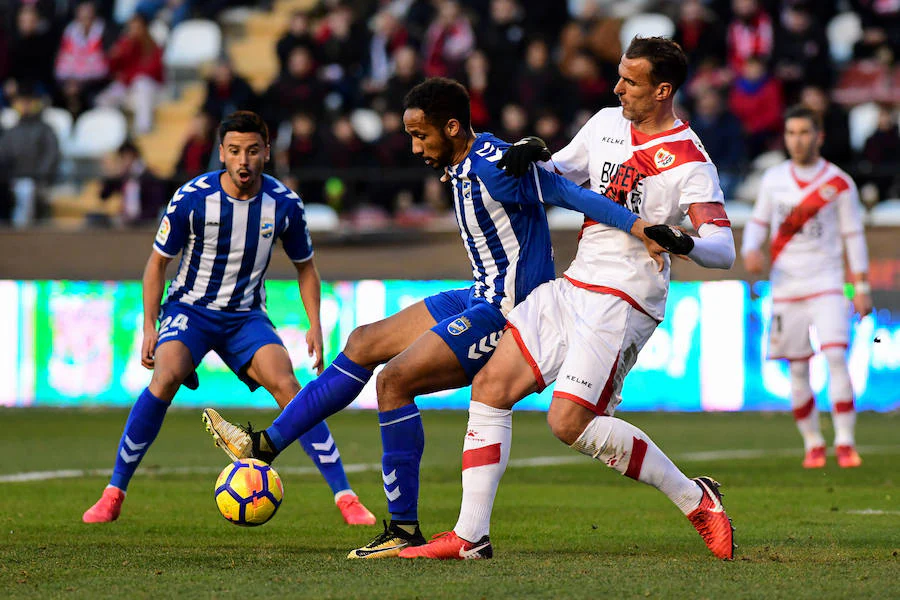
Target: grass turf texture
x=574, y=530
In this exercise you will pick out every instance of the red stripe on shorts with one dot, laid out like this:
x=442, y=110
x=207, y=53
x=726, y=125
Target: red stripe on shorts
x=538, y=376
x=580, y=401
x=833, y=345
x=844, y=407
x=638, y=450
x=803, y=411
x=606, y=394
x=478, y=457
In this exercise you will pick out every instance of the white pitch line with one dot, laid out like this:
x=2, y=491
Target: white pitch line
x=537, y=461
x=872, y=511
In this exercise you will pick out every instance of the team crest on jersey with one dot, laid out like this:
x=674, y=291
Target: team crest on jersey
x=459, y=326
x=162, y=234
x=827, y=191
x=663, y=158
x=266, y=229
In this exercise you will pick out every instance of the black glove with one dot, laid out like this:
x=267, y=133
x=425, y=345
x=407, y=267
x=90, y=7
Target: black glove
x=520, y=155
x=670, y=238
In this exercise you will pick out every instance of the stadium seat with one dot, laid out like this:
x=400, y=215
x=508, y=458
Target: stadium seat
x=8, y=117
x=622, y=9
x=886, y=213
x=564, y=219
x=61, y=121
x=738, y=212
x=321, y=217
x=192, y=43
x=159, y=31
x=863, y=122
x=645, y=25
x=123, y=10
x=367, y=124
x=96, y=132
x=843, y=31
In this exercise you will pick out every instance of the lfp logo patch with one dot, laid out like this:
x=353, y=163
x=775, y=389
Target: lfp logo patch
x=266, y=229
x=458, y=326
x=162, y=234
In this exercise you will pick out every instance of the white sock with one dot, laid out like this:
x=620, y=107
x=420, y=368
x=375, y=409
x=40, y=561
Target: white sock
x=631, y=452
x=342, y=493
x=843, y=412
x=485, y=455
x=803, y=404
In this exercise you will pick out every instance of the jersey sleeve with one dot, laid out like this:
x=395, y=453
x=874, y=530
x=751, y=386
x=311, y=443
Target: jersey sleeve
x=573, y=161
x=762, y=208
x=851, y=227
x=757, y=228
x=295, y=237
x=700, y=184
x=174, y=227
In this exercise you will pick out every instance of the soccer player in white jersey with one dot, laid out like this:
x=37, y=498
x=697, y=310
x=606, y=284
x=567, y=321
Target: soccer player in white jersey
x=443, y=341
x=225, y=224
x=585, y=330
x=810, y=209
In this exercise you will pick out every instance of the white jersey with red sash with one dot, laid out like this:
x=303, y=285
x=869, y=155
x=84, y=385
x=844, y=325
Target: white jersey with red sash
x=659, y=177
x=807, y=221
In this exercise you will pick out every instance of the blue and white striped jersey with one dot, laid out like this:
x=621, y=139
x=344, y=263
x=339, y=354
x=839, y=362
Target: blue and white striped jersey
x=226, y=244
x=502, y=224
x=502, y=221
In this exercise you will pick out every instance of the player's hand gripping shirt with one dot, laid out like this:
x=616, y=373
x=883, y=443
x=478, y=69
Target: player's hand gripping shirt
x=808, y=221
x=503, y=224
x=657, y=177
x=226, y=244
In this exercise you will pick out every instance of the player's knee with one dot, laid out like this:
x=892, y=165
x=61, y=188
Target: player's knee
x=362, y=346
x=488, y=388
x=285, y=388
x=165, y=382
x=564, y=423
x=392, y=388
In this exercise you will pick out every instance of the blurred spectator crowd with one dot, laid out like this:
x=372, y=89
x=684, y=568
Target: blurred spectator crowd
x=531, y=67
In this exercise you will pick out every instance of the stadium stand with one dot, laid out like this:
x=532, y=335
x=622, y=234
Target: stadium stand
x=366, y=55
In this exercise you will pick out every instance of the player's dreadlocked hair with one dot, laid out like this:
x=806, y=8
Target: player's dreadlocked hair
x=441, y=99
x=244, y=121
x=668, y=63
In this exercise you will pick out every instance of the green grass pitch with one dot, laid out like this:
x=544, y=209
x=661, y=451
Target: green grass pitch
x=570, y=529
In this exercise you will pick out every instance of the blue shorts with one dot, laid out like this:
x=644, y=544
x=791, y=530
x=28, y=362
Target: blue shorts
x=471, y=327
x=234, y=336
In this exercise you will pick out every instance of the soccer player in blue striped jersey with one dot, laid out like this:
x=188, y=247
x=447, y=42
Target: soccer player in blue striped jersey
x=225, y=224
x=441, y=342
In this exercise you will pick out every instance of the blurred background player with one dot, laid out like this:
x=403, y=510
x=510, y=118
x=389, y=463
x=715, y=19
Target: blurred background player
x=225, y=224
x=441, y=342
x=585, y=330
x=810, y=209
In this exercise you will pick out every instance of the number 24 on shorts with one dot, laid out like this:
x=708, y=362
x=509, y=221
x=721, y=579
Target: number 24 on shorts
x=178, y=322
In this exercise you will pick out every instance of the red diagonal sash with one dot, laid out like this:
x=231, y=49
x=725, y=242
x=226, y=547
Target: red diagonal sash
x=806, y=210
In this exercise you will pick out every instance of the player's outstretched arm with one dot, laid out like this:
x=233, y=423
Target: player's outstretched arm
x=311, y=294
x=153, y=282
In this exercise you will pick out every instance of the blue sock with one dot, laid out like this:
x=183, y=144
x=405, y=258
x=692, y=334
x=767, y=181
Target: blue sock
x=318, y=443
x=334, y=389
x=403, y=441
x=144, y=422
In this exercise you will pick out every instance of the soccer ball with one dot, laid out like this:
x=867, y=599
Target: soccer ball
x=248, y=492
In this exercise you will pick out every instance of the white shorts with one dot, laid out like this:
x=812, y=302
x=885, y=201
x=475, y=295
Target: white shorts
x=585, y=341
x=791, y=319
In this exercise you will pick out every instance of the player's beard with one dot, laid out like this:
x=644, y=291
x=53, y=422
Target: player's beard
x=442, y=160
x=244, y=185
